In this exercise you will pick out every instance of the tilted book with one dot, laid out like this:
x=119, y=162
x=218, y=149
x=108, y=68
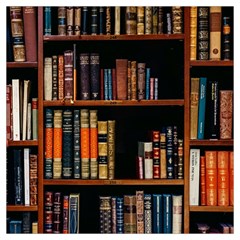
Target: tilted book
x=74, y=212
x=130, y=223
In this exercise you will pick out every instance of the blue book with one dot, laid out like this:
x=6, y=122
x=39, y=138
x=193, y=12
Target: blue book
x=147, y=83
x=101, y=20
x=110, y=95
x=119, y=214
x=47, y=22
x=157, y=213
x=15, y=226
x=202, y=107
x=167, y=213
x=106, y=97
x=74, y=200
x=84, y=20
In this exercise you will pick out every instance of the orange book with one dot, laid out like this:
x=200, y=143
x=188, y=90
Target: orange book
x=231, y=178
x=211, y=178
x=223, y=178
x=203, y=180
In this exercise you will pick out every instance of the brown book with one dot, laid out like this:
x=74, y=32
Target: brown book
x=129, y=214
x=223, y=178
x=111, y=148
x=224, y=228
x=231, y=178
x=129, y=90
x=108, y=20
x=148, y=20
x=193, y=33
x=62, y=27
x=194, y=100
x=48, y=212
x=102, y=84
x=77, y=20
x=177, y=20
x=121, y=78
x=140, y=20
x=131, y=20
x=154, y=20
x=133, y=80
x=30, y=33
x=114, y=84
x=65, y=214
x=211, y=178
x=163, y=157
x=70, y=19
x=140, y=211
x=60, y=77
x=33, y=179
x=226, y=114
x=141, y=81
x=57, y=212
x=203, y=180
x=215, y=24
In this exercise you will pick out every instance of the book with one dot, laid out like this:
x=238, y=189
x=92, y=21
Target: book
x=157, y=213
x=194, y=102
x=177, y=204
x=169, y=152
x=29, y=121
x=65, y=216
x=203, y=180
x=131, y=20
x=163, y=158
x=69, y=20
x=215, y=28
x=33, y=179
x=140, y=20
x=194, y=170
x=160, y=20
x=34, y=118
x=84, y=20
x=94, y=20
x=223, y=227
x=47, y=20
x=121, y=78
x=30, y=32
x=57, y=212
x=193, y=33
x=111, y=132
x=134, y=85
x=34, y=227
x=8, y=112
x=169, y=21
x=120, y=215
x=26, y=179
x=62, y=23
x=117, y=20
x=148, y=20
x=211, y=178
x=9, y=38
x=114, y=214
x=68, y=74
x=129, y=212
x=180, y=159
x=226, y=114
x=154, y=20
x=140, y=211
x=84, y=89
x=141, y=78
x=54, y=77
x=175, y=152
x=226, y=34
x=177, y=20
x=74, y=212
x=47, y=78
x=167, y=213
x=15, y=226
x=74, y=71
x=48, y=212
x=102, y=20
x=201, y=107
x=95, y=76
x=77, y=20
x=231, y=178
x=108, y=20
x=147, y=88
x=155, y=138
x=16, y=109
x=147, y=213
x=105, y=214
x=60, y=68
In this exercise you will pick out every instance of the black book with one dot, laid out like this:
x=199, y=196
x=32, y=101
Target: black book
x=95, y=76
x=84, y=76
x=26, y=222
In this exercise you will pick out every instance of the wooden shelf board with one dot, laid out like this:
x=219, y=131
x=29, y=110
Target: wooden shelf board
x=210, y=63
x=22, y=64
x=210, y=209
x=22, y=143
x=21, y=208
x=211, y=142
x=113, y=182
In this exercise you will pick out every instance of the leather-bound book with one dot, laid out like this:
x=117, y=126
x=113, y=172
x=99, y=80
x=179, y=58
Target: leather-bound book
x=167, y=213
x=177, y=20
x=108, y=21
x=109, y=85
x=140, y=20
x=65, y=220
x=69, y=21
x=130, y=223
x=148, y=20
x=180, y=159
x=120, y=215
x=114, y=84
x=169, y=152
x=131, y=20
x=57, y=212
x=121, y=77
x=147, y=88
x=177, y=213
x=105, y=214
x=26, y=222
x=48, y=212
x=111, y=148
x=160, y=20
x=60, y=77
x=163, y=156
x=202, y=180
x=33, y=179
x=85, y=20
x=141, y=80
x=54, y=77
x=117, y=20
x=154, y=20
x=102, y=21
x=231, y=178
x=62, y=22
x=226, y=114
x=226, y=33
x=95, y=76
x=102, y=84
x=30, y=33
x=47, y=20
x=193, y=33
x=133, y=80
x=84, y=76
x=129, y=90
x=140, y=211
x=147, y=213
x=9, y=38
x=76, y=144
x=94, y=20
x=68, y=74
x=157, y=213
x=114, y=214
x=8, y=111
x=175, y=152
x=74, y=212
x=77, y=20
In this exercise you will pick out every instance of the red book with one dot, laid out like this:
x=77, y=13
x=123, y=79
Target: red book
x=9, y=111
x=231, y=178
x=211, y=178
x=65, y=213
x=60, y=77
x=114, y=84
x=203, y=180
x=68, y=74
x=102, y=84
x=121, y=78
x=30, y=33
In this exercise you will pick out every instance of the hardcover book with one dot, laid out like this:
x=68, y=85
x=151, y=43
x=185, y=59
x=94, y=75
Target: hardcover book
x=160, y=20
x=108, y=20
x=177, y=20
x=121, y=78
x=140, y=211
x=117, y=20
x=69, y=20
x=177, y=205
x=111, y=132
x=60, y=77
x=94, y=76
x=102, y=21
x=134, y=85
x=105, y=214
x=157, y=213
x=48, y=212
x=180, y=159
x=26, y=176
x=77, y=20
x=148, y=20
x=163, y=158
x=231, y=178
x=154, y=20
x=130, y=223
x=114, y=214
x=120, y=217
x=193, y=33
x=26, y=222
x=85, y=20
x=74, y=212
x=140, y=20
x=131, y=20
x=203, y=180
x=62, y=23
x=68, y=74
x=57, y=212
x=141, y=83
x=47, y=20
x=33, y=179
x=84, y=77
x=226, y=30
x=167, y=213
x=94, y=21
x=147, y=213
x=169, y=152
x=54, y=77
x=16, y=109
x=48, y=78
x=15, y=226
x=65, y=220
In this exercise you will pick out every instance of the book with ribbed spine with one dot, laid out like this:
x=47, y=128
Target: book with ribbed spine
x=67, y=153
x=117, y=20
x=180, y=159
x=76, y=144
x=65, y=219
x=26, y=222
x=105, y=216
x=111, y=131
x=110, y=93
x=108, y=20
x=62, y=22
x=35, y=118
x=94, y=20
x=129, y=212
x=177, y=206
x=57, y=143
x=60, y=68
x=114, y=214
x=47, y=78
x=147, y=213
x=102, y=20
x=175, y=152
x=140, y=211
x=148, y=20
x=157, y=213
x=121, y=78
x=95, y=75
x=131, y=20
x=85, y=143
x=163, y=155
x=47, y=20
x=102, y=150
x=77, y=21
x=129, y=90
x=193, y=33
x=48, y=171
x=167, y=213
x=74, y=212
x=33, y=175
x=226, y=33
x=177, y=20
x=134, y=80
x=48, y=212
x=68, y=74
x=93, y=144
x=84, y=76
x=30, y=32
x=169, y=152
x=57, y=212
x=160, y=20
x=69, y=21
x=202, y=180
x=84, y=20
x=141, y=80
x=120, y=215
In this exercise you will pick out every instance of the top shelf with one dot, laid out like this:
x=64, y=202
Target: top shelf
x=210, y=63
x=22, y=64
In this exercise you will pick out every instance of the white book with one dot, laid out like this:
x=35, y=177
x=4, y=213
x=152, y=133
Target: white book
x=25, y=108
x=48, y=78
x=16, y=109
x=177, y=213
x=29, y=121
x=194, y=177
x=148, y=160
x=26, y=177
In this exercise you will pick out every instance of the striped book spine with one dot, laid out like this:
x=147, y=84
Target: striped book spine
x=111, y=148
x=133, y=80
x=94, y=20
x=175, y=152
x=54, y=77
x=62, y=23
x=114, y=214
x=129, y=212
x=33, y=179
x=155, y=138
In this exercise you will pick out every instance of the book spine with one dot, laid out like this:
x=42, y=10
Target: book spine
x=69, y=21
x=194, y=102
x=193, y=33
x=57, y=211
x=60, y=68
x=9, y=39
x=16, y=109
x=111, y=148
x=180, y=159
x=93, y=144
x=48, y=144
x=114, y=214
x=147, y=88
x=148, y=20
x=147, y=213
x=94, y=21
x=106, y=84
x=84, y=76
x=160, y=20
x=108, y=20
x=48, y=212
x=29, y=121
x=57, y=144
x=26, y=172
x=76, y=144
x=74, y=211
x=121, y=77
x=48, y=78
x=114, y=84
x=26, y=222
x=26, y=92
x=105, y=214
x=175, y=152
x=141, y=80
x=177, y=20
x=211, y=178
x=65, y=221
x=35, y=118
x=177, y=204
x=117, y=20
x=47, y=21
x=140, y=20
x=129, y=212
x=167, y=213
x=101, y=20
x=85, y=141
x=94, y=76
x=67, y=153
x=223, y=178
x=194, y=177
x=139, y=160
x=129, y=90
x=163, y=155
x=215, y=23
x=169, y=152
x=202, y=107
x=154, y=20
x=156, y=153
x=169, y=22
x=15, y=226
x=203, y=180
x=102, y=84
x=102, y=150
x=133, y=80
x=152, y=88
x=54, y=77
x=155, y=89
x=33, y=179
x=140, y=211
x=85, y=20
x=226, y=114
x=131, y=20
x=77, y=20
x=30, y=33
x=157, y=213
x=148, y=160
x=226, y=38
x=62, y=23
x=120, y=215
x=109, y=72
x=68, y=74
x=35, y=227
x=8, y=111
x=231, y=178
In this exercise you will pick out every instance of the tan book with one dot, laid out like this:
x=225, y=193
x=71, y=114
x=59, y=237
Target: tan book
x=140, y=20
x=111, y=148
x=148, y=20
x=117, y=20
x=193, y=33
x=47, y=78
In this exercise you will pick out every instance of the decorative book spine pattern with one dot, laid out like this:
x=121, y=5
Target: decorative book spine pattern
x=167, y=213
x=17, y=29
x=129, y=90
x=76, y=144
x=47, y=20
x=131, y=20
x=117, y=20
x=94, y=76
x=140, y=211
x=48, y=143
x=157, y=213
x=93, y=144
x=84, y=76
x=215, y=32
x=60, y=77
x=108, y=20
x=85, y=140
x=65, y=221
x=193, y=33
x=57, y=144
x=68, y=74
x=57, y=212
x=169, y=152
x=67, y=153
x=130, y=224
x=111, y=148
x=48, y=212
x=62, y=25
x=54, y=78
x=74, y=212
x=141, y=84
x=120, y=215
x=102, y=150
x=33, y=179
x=9, y=39
x=169, y=22
x=48, y=78
x=77, y=20
x=94, y=20
x=226, y=38
x=175, y=152
x=194, y=101
x=69, y=22
x=156, y=153
x=180, y=159
x=163, y=158
x=114, y=214
x=148, y=20
x=226, y=114
x=203, y=33
x=140, y=20
x=147, y=213
x=121, y=77
x=177, y=214
x=177, y=20
x=231, y=178
x=105, y=214
x=9, y=111
x=160, y=20
x=133, y=80
x=203, y=180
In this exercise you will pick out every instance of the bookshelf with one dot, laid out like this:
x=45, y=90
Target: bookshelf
x=163, y=53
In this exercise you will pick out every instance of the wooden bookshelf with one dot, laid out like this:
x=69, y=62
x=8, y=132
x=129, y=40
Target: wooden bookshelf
x=211, y=63
x=22, y=64
x=21, y=208
x=211, y=209
x=211, y=142
x=24, y=143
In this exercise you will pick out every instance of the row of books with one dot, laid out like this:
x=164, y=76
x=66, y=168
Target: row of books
x=220, y=227
x=21, y=34
x=78, y=145
x=210, y=34
x=112, y=20
x=215, y=121
x=161, y=156
x=141, y=213
x=211, y=178
x=23, y=183
x=22, y=111
x=129, y=79
x=25, y=224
